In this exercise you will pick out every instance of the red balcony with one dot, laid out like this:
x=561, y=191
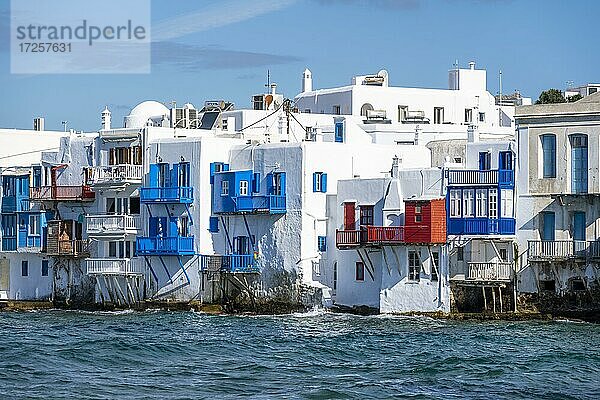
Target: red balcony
x=62, y=193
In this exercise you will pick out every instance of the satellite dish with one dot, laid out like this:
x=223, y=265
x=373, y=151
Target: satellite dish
x=268, y=99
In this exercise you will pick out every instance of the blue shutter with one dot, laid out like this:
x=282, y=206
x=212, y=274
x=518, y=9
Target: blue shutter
x=578, y=225
x=174, y=175
x=213, y=224
x=269, y=183
x=225, y=167
x=323, y=183
x=549, y=226
x=322, y=241
x=173, y=231
x=315, y=188
x=256, y=182
x=213, y=168
x=153, y=181
x=339, y=132
x=282, y=181
x=153, y=226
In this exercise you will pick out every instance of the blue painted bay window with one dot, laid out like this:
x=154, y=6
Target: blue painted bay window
x=168, y=184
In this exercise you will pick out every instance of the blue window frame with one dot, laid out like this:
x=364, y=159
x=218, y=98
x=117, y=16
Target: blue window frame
x=322, y=243
x=549, y=155
x=44, y=267
x=505, y=160
x=320, y=182
x=24, y=268
x=37, y=176
x=548, y=228
x=339, y=132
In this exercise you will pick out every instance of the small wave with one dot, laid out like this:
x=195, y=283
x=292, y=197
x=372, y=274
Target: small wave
x=315, y=312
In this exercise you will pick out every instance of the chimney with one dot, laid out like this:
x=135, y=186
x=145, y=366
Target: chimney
x=105, y=119
x=273, y=89
x=38, y=124
x=472, y=65
x=306, y=81
x=395, y=164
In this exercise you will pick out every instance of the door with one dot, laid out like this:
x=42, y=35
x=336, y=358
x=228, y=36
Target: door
x=22, y=231
x=349, y=217
x=549, y=226
x=505, y=160
x=579, y=163
x=484, y=161
x=579, y=232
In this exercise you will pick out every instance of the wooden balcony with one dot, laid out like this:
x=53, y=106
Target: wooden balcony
x=62, y=193
x=489, y=271
x=113, y=225
x=116, y=174
x=115, y=266
x=385, y=234
x=234, y=263
x=348, y=239
x=68, y=247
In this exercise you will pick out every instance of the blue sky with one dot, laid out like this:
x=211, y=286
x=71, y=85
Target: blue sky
x=537, y=44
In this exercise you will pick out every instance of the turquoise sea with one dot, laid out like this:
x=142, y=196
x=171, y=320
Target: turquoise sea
x=317, y=355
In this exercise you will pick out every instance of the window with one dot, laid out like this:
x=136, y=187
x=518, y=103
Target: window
x=34, y=225
x=506, y=196
x=438, y=115
x=224, y=188
x=366, y=215
x=335, y=276
x=402, y=113
x=184, y=174
x=505, y=160
x=549, y=155
x=320, y=182
x=592, y=90
x=548, y=285
x=278, y=183
x=468, y=195
x=243, y=188
x=455, y=202
x=112, y=249
x=241, y=245
x=24, y=268
x=481, y=117
x=360, y=271
x=134, y=205
x=418, y=214
x=110, y=205
x=414, y=266
x=577, y=285
x=213, y=224
x=481, y=203
x=322, y=243
x=460, y=254
x=339, y=132
x=468, y=115
x=37, y=176
x=44, y=267
x=365, y=109
x=337, y=110
x=458, y=160
x=579, y=163
x=493, y=203
x=435, y=266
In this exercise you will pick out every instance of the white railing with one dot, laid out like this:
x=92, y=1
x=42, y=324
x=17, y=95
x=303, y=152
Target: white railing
x=489, y=271
x=115, y=266
x=116, y=173
x=556, y=249
x=470, y=177
x=106, y=224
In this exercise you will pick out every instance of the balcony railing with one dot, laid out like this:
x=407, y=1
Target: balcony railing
x=350, y=238
x=385, y=234
x=481, y=177
x=177, y=194
x=165, y=246
x=69, y=247
x=489, y=271
x=273, y=204
x=116, y=174
x=540, y=250
x=236, y=263
x=113, y=224
x=115, y=266
x=62, y=193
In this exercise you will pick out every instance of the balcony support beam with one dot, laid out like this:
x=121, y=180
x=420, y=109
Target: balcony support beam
x=385, y=260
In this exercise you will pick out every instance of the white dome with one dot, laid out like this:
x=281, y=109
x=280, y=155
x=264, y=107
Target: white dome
x=141, y=113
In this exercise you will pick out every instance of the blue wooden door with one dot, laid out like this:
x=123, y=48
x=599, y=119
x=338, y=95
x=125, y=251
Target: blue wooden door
x=579, y=164
x=579, y=225
x=549, y=226
x=505, y=160
x=22, y=231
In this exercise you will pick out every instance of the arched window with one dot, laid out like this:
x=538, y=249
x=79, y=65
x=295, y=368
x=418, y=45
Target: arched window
x=365, y=107
x=548, y=142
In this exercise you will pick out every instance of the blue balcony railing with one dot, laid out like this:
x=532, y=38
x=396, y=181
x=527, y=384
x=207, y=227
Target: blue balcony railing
x=177, y=194
x=481, y=226
x=9, y=244
x=165, y=246
x=272, y=204
x=238, y=263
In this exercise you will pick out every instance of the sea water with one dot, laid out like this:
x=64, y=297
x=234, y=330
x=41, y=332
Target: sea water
x=317, y=355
